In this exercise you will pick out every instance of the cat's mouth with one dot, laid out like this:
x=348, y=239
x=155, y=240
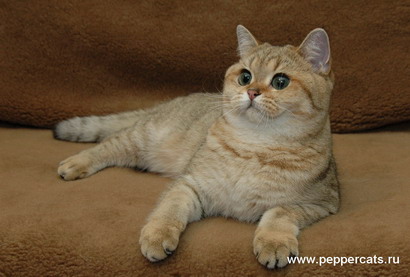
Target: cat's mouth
x=253, y=110
x=253, y=105
x=256, y=110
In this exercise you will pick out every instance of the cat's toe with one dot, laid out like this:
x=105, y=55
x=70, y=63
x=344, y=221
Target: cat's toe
x=158, y=241
x=272, y=249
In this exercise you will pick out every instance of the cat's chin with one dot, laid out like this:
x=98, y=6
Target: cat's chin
x=255, y=115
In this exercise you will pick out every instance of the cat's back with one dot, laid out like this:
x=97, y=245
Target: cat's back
x=183, y=111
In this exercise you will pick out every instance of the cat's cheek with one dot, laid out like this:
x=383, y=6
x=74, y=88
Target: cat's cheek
x=299, y=108
x=240, y=103
x=231, y=87
x=245, y=101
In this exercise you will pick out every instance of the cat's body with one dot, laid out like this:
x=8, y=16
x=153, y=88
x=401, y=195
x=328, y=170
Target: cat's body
x=165, y=137
x=257, y=152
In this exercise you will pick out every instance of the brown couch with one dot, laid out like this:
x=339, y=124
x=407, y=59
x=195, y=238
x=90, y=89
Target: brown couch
x=64, y=58
x=61, y=59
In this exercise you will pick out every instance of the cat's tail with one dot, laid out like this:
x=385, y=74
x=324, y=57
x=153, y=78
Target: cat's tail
x=94, y=128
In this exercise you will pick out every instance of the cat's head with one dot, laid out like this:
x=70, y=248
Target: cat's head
x=272, y=82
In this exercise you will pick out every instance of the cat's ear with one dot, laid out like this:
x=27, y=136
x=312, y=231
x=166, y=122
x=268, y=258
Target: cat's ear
x=316, y=50
x=246, y=41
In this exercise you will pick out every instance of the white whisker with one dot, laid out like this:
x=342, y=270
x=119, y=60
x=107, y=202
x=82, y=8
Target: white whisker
x=281, y=107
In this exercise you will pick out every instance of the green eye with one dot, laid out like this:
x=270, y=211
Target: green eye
x=245, y=78
x=280, y=81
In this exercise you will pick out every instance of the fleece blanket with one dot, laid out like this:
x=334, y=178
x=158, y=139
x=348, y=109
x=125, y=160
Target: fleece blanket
x=90, y=227
x=60, y=59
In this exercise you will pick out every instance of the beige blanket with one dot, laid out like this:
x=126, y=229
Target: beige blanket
x=90, y=227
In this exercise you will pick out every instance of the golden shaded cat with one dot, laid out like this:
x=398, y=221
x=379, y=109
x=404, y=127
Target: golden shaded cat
x=261, y=151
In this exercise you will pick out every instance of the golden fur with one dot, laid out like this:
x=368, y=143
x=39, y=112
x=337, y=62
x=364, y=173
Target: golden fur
x=268, y=159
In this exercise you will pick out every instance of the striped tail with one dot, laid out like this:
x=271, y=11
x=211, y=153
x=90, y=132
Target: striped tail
x=95, y=128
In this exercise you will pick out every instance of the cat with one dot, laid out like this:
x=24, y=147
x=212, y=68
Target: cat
x=259, y=152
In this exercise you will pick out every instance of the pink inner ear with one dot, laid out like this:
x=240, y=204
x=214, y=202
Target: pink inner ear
x=315, y=48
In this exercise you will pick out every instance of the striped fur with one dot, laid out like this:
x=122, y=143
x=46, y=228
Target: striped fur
x=95, y=128
x=268, y=160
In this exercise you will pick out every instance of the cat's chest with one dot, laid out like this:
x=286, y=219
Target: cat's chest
x=249, y=195
x=238, y=183
x=243, y=180
x=237, y=160
x=239, y=190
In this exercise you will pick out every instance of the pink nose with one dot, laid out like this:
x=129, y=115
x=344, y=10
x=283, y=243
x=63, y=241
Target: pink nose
x=252, y=93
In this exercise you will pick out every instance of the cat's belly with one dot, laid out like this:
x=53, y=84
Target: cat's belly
x=245, y=198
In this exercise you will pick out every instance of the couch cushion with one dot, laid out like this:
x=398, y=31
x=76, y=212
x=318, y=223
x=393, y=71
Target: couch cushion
x=62, y=59
x=90, y=227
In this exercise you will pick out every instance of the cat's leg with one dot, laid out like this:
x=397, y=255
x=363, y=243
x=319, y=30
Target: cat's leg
x=276, y=235
x=179, y=206
x=121, y=149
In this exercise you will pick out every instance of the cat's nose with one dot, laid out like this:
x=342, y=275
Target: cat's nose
x=252, y=93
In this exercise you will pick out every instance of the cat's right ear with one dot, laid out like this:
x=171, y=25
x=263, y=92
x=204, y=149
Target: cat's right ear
x=316, y=50
x=246, y=41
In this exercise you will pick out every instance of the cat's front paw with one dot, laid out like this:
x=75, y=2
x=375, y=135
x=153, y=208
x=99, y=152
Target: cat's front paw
x=158, y=240
x=76, y=167
x=272, y=248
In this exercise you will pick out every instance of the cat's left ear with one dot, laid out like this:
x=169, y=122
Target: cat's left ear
x=316, y=50
x=246, y=41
